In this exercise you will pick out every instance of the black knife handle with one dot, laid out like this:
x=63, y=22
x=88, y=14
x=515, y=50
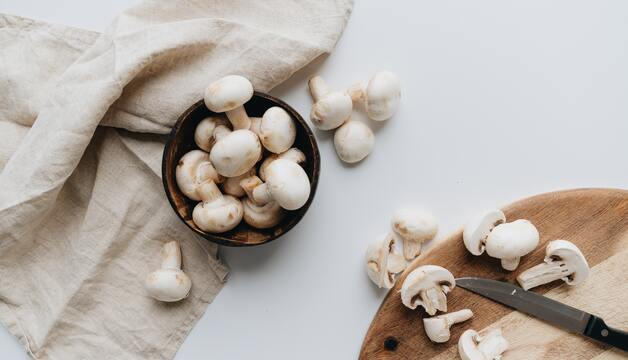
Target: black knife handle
x=598, y=330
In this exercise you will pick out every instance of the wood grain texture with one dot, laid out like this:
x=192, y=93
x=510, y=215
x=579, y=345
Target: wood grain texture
x=181, y=141
x=596, y=220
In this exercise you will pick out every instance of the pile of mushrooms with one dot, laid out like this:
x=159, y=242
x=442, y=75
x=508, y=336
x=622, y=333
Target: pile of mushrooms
x=389, y=256
x=354, y=140
x=245, y=167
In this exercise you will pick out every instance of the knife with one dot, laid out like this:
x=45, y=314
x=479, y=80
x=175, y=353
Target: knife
x=551, y=311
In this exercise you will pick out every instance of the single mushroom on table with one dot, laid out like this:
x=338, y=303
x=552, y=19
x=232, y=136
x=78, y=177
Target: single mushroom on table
x=217, y=212
x=563, y=260
x=380, y=97
x=262, y=216
x=437, y=327
x=228, y=95
x=473, y=346
x=204, y=135
x=384, y=262
x=506, y=241
x=169, y=283
x=194, y=169
x=286, y=183
x=414, y=227
x=276, y=129
x=427, y=286
x=353, y=141
x=331, y=108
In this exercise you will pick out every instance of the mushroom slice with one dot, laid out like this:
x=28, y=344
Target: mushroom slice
x=217, y=213
x=194, y=169
x=381, y=96
x=169, y=283
x=472, y=346
x=414, y=227
x=383, y=263
x=510, y=241
x=477, y=230
x=437, y=327
x=353, y=141
x=427, y=286
x=276, y=130
x=228, y=95
x=331, y=108
x=292, y=154
x=236, y=153
x=204, y=132
x=563, y=260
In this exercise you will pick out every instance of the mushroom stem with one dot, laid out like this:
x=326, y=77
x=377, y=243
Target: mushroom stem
x=543, y=273
x=437, y=327
x=261, y=195
x=318, y=87
x=510, y=264
x=357, y=93
x=239, y=119
x=208, y=191
x=171, y=256
x=493, y=344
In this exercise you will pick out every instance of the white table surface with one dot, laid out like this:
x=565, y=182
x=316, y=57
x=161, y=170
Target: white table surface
x=501, y=100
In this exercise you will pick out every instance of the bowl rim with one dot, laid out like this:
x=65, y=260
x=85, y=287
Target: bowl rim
x=218, y=238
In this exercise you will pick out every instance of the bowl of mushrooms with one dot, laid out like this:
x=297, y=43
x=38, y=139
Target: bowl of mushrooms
x=240, y=167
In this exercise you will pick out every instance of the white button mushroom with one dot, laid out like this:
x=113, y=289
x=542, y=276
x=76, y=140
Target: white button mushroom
x=381, y=96
x=383, y=262
x=472, y=346
x=330, y=109
x=293, y=154
x=228, y=95
x=437, y=327
x=427, y=286
x=353, y=141
x=414, y=227
x=194, y=169
x=204, y=132
x=262, y=216
x=286, y=183
x=231, y=186
x=236, y=153
x=275, y=129
x=217, y=212
x=505, y=241
x=169, y=283
x=563, y=260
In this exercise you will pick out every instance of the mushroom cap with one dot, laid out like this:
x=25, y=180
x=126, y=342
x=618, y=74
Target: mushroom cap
x=228, y=93
x=288, y=184
x=354, y=141
x=219, y=215
x=204, y=132
x=262, y=216
x=570, y=254
x=512, y=240
x=236, y=153
x=292, y=154
x=477, y=230
x=472, y=346
x=384, y=261
x=414, y=224
x=277, y=130
x=231, y=186
x=332, y=110
x=168, y=285
x=382, y=95
x=423, y=278
x=193, y=169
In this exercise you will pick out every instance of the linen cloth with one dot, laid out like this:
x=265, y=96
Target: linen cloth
x=82, y=210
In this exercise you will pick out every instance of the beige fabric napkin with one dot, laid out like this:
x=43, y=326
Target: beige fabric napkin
x=82, y=210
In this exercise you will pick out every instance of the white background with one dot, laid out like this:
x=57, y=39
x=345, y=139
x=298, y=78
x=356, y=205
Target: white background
x=501, y=100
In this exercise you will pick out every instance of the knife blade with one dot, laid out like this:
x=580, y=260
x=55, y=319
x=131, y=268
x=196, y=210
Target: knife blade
x=546, y=309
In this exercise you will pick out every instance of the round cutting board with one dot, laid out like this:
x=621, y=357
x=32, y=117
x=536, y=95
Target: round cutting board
x=596, y=220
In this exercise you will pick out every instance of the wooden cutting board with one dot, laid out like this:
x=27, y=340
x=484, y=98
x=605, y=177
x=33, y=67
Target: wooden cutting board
x=596, y=220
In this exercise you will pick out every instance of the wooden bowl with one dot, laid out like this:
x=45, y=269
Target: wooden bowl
x=181, y=141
